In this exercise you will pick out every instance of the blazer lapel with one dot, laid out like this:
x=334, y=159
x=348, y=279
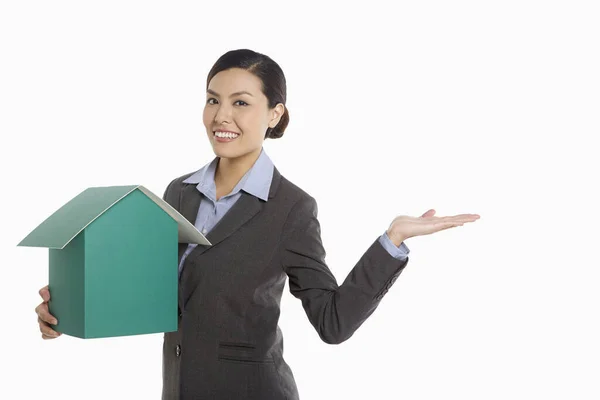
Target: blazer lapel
x=244, y=209
x=189, y=203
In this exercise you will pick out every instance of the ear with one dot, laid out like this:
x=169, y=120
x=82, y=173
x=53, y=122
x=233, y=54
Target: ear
x=276, y=114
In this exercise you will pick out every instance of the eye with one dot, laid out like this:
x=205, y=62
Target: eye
x=239, y=101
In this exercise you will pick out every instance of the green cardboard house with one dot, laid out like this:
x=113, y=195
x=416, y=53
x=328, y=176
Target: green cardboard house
x=113, y=262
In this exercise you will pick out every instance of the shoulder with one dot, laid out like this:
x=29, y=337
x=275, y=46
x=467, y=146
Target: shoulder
x=174, y=187
x=178, y=182
x=300, y=203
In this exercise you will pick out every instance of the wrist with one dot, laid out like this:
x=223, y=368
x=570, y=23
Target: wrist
x=395, y=238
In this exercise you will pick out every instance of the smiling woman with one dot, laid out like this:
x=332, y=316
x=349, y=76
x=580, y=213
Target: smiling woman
x=242, y=114
x=263, y=230
x=245, y=97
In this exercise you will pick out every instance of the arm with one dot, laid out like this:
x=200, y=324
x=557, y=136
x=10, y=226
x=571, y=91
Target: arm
x=399, y=251
x=336, y=312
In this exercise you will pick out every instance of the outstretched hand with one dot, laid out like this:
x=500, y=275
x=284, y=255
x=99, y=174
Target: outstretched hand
x=404, y=227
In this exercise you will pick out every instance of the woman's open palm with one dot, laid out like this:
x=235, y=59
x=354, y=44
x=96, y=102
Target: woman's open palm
x=404, y=227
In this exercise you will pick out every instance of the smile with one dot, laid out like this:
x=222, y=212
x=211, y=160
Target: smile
x=225, y=136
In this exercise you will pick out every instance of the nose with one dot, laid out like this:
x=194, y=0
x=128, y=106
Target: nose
x=223, y=115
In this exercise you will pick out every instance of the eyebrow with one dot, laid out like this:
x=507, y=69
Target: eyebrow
x=233, y=94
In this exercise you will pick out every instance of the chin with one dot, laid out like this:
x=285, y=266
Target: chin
x=228, y=153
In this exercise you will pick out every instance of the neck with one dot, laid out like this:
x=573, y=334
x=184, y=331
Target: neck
x=230, y=170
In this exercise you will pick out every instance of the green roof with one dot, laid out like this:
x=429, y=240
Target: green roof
x=73, y=217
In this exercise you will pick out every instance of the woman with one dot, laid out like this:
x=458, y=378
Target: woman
x=263, y=229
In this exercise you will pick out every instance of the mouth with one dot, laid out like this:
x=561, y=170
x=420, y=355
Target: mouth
x=225, y=136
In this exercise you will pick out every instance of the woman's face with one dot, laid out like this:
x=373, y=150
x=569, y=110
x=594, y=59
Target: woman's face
x=235, y=103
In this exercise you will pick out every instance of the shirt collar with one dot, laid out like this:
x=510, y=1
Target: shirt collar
x=257, y=181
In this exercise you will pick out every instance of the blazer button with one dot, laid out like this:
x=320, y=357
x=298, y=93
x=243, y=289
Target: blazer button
x=178, y=350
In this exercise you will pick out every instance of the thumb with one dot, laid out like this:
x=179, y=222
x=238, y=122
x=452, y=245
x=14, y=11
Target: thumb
x=429, y=213
x=45, y=293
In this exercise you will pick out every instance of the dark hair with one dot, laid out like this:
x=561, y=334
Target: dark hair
x=270, y=74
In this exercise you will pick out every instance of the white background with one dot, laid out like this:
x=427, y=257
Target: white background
x=465, y=107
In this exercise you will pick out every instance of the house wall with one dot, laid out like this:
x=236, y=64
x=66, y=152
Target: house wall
x=131, y=270
x=66, y=283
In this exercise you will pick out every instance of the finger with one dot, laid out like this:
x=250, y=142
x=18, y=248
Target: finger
x=45, y=293
x=428, y=219
x=459, y=221
x=444, y=222
x=465, y=220
x=46, y=337
x=429, y=213
x=467, y=216
x=44, y=314
x=49, y=332
x=46, y=330
x=449, y=225
x=459, y=218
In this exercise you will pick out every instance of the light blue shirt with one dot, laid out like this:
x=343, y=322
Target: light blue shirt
x=256, y=182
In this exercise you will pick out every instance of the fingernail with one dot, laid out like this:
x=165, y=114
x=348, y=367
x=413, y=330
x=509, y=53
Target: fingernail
x=54, y=322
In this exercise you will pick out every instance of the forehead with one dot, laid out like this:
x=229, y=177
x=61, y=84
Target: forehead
x=235, y=80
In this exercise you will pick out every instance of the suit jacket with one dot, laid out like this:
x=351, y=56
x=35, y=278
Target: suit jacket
x=228, y=344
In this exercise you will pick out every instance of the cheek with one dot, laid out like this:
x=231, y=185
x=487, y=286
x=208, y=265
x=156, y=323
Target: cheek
x=207, y=117
x=255, y=124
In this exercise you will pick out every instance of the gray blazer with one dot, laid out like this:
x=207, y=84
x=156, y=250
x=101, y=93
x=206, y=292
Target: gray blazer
x=228, y=344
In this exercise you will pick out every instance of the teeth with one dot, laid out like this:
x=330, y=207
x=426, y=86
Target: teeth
x=226, y=135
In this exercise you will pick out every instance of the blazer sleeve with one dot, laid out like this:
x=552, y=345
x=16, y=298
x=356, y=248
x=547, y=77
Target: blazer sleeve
x=336, y=312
